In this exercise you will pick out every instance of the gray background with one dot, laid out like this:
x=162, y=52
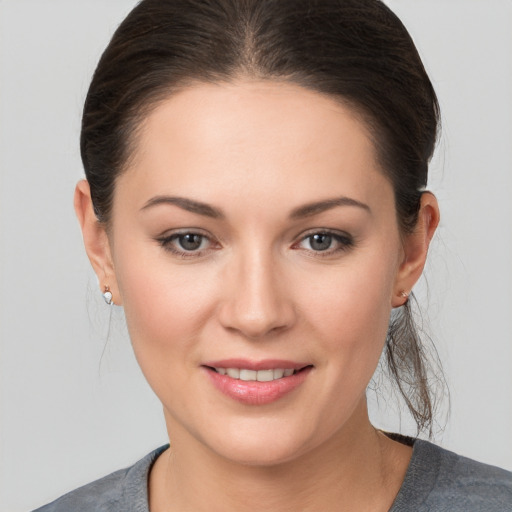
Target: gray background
x=73, y=407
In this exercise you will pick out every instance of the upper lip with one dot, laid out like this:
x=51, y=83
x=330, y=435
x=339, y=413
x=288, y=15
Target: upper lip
x=264, y=364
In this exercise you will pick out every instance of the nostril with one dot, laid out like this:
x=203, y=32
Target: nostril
x=254, y=302
x=255, y=327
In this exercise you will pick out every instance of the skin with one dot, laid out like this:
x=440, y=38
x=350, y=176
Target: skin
x=258, y=288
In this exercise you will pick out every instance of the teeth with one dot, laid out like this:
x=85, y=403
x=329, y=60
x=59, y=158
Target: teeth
x=265, y=375
x=234, y=373
x=278, y=373
x=253, y=375
x=248, y=375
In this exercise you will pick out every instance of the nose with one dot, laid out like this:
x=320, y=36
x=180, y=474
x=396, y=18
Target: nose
x=256, y=302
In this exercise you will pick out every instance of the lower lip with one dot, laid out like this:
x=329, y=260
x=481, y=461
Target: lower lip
x=252, y=392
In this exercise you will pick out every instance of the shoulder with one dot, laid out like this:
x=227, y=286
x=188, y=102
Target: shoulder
x=465, y=481
x=101, y=495
x=440, y=480
x=125, y=490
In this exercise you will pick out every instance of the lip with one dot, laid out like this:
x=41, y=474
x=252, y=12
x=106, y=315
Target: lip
x=254, y=392
x=264, y=364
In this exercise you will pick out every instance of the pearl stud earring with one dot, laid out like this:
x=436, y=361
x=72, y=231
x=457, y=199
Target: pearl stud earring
x=107, y=296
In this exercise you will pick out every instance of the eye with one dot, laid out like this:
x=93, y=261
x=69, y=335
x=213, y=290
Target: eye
x=326, y=242
x=320, y=241
x=190, y=241
x=186, y=243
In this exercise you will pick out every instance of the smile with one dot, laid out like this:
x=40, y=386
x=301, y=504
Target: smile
x=256, y=375
x=258, y=383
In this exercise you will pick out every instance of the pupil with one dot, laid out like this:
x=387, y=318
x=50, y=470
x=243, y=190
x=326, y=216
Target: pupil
x=321, y=242
x=190, y=241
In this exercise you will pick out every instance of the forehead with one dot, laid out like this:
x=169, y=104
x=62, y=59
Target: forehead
x=257, y=137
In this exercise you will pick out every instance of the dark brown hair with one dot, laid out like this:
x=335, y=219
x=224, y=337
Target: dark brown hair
x=356, y=51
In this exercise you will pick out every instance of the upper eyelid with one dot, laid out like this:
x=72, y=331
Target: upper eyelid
x=170, y=235
x=183, y=231
x=344, y=239
x=325, y=231
x=167, y=242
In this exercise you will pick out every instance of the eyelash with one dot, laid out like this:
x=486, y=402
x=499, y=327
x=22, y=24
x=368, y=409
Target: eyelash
x=167, y=244
x=344, y=241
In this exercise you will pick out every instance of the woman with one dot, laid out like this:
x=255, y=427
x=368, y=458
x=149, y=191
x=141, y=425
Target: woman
x=255, y=200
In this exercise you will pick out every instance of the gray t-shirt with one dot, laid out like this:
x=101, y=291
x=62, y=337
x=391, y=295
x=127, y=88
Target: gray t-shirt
x=437, y=480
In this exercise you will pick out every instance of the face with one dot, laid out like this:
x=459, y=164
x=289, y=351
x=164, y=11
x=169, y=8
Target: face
x=253, y=237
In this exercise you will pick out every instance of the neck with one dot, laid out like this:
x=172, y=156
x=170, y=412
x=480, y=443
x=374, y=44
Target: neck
x=357, y=469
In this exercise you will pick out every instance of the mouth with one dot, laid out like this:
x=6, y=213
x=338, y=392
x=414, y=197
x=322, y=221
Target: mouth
x=257, y=383
x=247, y=375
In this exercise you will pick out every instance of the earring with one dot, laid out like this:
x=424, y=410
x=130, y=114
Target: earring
x=107, y=295
x=404, y=295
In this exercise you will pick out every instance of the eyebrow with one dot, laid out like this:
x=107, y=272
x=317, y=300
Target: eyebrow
x=205, y=209
x=186, y=204
x=311, y=209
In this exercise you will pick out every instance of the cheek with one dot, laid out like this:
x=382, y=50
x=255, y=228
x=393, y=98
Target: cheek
x=349, y=308
x=166, y=307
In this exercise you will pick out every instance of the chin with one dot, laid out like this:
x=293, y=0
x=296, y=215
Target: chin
x=260, y=454
x=256, y=446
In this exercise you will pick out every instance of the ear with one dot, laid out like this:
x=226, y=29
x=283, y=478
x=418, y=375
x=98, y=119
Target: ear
x=95, y=240
x=415, y=247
